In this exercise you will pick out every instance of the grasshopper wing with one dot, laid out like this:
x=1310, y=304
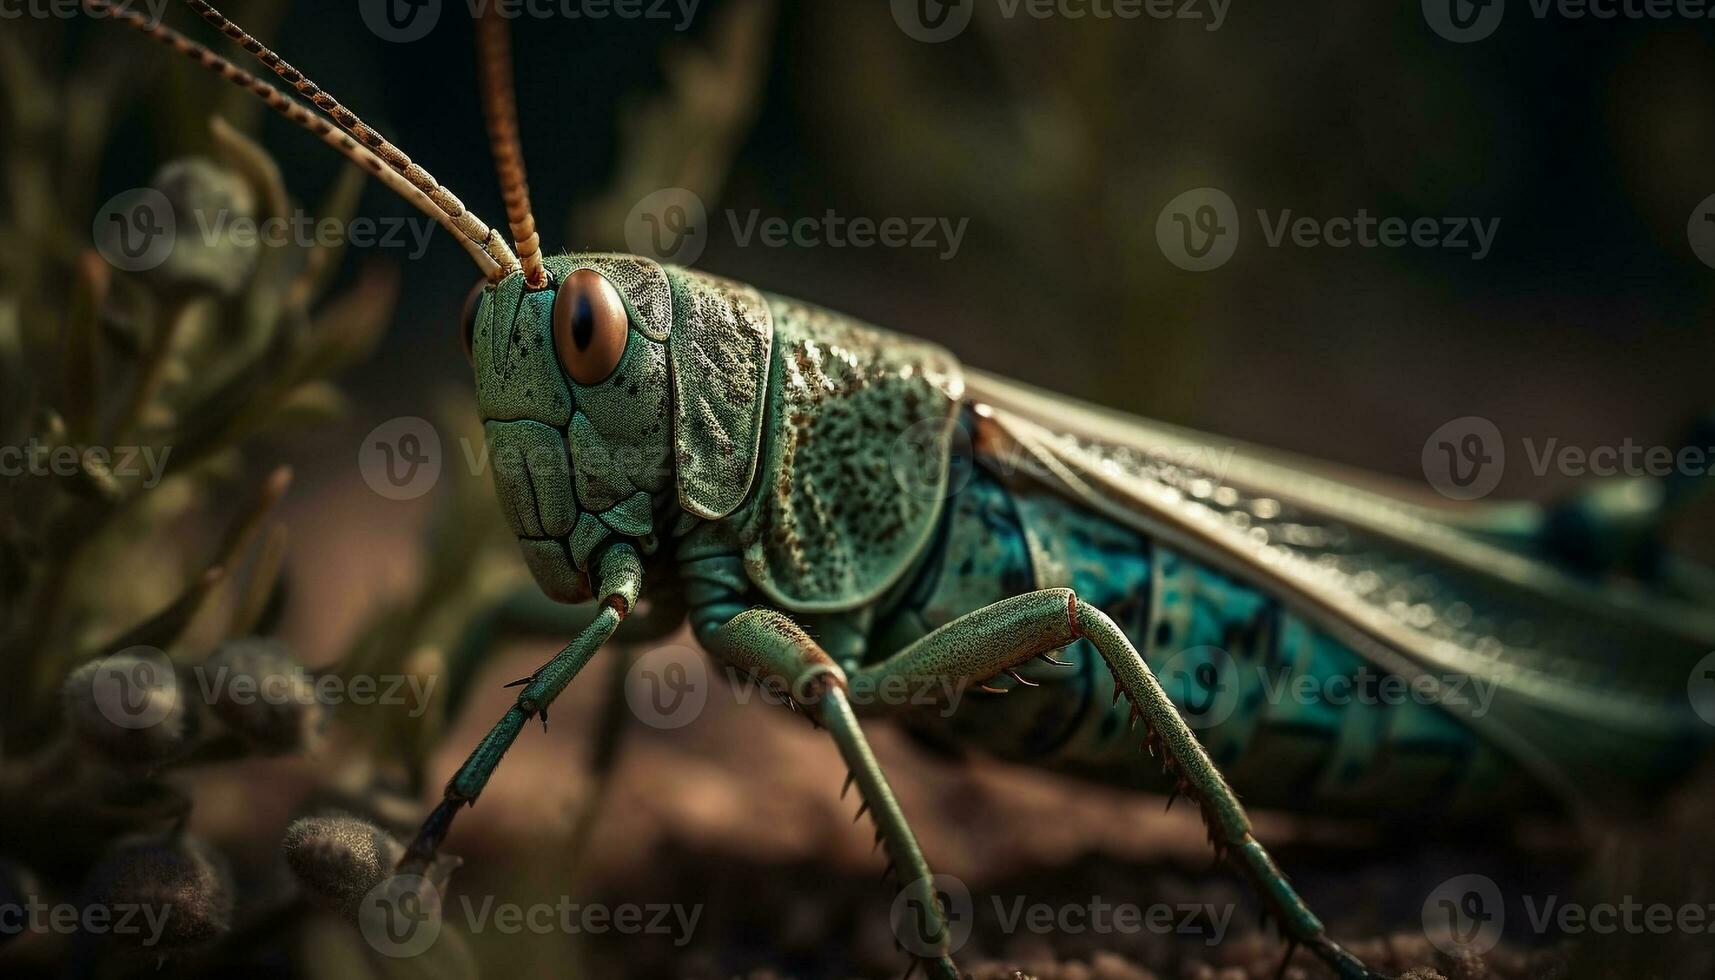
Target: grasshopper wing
x=1591, y=678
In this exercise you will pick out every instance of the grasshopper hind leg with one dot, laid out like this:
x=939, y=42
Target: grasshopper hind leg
x=1007, y=634
x=1196, y=775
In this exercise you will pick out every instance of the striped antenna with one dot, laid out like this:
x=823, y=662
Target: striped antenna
x=299, y=115
x=494, y=58
x=468, y=224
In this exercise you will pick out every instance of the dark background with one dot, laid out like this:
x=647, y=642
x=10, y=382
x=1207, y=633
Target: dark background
x=1591, y=141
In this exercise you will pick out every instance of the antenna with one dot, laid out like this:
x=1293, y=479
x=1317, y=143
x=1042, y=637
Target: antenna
x=299, y=115
x=500, y=108
x=468, y=224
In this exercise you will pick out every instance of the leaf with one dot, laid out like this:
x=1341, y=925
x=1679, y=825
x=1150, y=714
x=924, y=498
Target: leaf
x=165, y=627
x=244, y=527
x=259, y=589
x=263, y=301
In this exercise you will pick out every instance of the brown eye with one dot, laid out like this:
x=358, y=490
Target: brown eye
x=467, y=322
x=590, y=326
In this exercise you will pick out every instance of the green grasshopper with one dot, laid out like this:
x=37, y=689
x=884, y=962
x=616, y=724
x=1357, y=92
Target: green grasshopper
x=745, y=449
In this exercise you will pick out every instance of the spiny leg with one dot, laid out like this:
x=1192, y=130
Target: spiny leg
x=999, y=637
x=621, y=581
x=775, y=650
x=526, y=611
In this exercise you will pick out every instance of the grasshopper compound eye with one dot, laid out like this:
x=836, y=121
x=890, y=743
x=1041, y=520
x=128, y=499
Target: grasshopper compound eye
x=467, y=322
x=590, y=326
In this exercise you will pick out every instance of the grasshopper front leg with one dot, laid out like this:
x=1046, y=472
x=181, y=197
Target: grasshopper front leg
x=771, y=647
x=621, y=581
x=1001, y=636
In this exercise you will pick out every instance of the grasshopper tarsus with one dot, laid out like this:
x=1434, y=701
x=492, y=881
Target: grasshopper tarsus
x=420, y=856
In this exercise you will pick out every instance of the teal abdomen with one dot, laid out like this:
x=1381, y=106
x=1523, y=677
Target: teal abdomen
x=1295, y=718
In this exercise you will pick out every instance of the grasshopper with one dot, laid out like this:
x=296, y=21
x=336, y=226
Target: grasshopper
x=662, y=424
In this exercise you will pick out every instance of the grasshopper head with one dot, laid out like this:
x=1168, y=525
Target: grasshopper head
x=612, y=400
x=616, y=395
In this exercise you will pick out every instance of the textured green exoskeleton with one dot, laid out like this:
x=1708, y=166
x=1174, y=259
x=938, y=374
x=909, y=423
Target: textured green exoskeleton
x=842, y=509
x=796, y=473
